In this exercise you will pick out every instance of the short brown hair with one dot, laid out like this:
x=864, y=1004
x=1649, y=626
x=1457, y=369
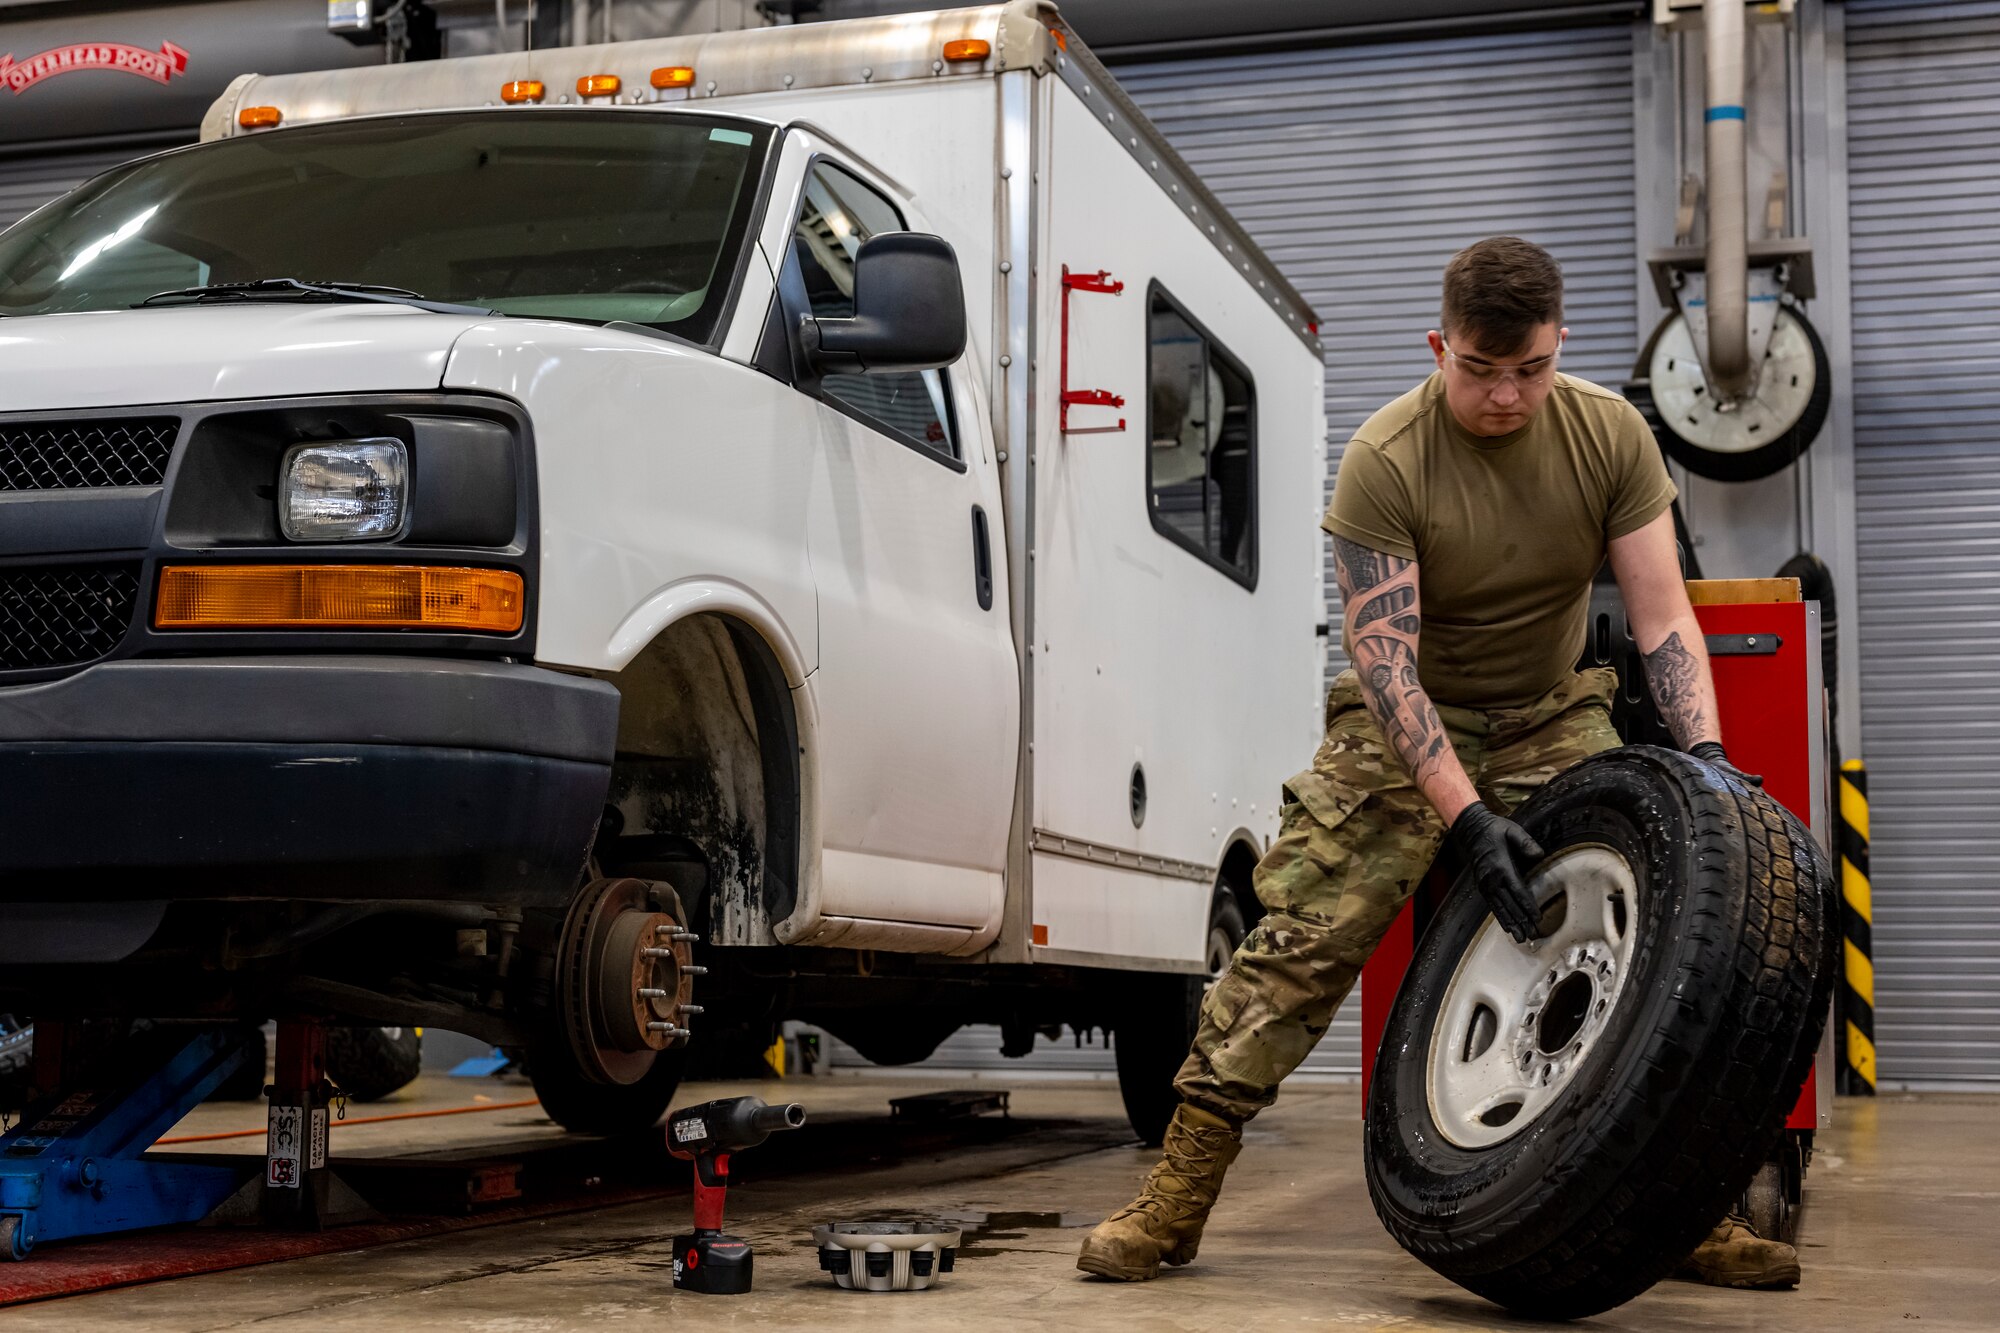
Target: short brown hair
x=1498, y=291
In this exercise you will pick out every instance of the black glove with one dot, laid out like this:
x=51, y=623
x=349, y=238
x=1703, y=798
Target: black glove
x=1712, y=754
x=1498, y=850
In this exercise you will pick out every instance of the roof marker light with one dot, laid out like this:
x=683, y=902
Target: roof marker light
x=971, y=48
x=522, y=90
x=673, y=76
x=259, y=117
x=598, y=85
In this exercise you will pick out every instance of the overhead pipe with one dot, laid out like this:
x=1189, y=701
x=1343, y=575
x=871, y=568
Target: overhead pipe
x=1728, y=211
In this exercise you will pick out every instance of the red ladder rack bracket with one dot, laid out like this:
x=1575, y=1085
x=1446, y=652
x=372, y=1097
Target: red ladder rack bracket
x=1102, y=283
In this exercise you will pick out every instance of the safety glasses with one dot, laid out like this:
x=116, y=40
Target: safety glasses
x=1529, y=374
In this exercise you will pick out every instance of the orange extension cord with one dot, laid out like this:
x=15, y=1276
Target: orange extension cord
x=362, y=1120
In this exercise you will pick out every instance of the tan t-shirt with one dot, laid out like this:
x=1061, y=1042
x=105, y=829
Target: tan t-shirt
x=1507, y=531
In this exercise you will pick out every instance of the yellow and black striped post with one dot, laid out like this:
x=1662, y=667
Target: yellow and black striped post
x=1857, y=992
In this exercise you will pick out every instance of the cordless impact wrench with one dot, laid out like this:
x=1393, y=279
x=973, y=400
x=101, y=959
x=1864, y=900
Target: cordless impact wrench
x=706, y=1135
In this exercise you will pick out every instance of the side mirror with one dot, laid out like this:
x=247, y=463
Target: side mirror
x=909, y=310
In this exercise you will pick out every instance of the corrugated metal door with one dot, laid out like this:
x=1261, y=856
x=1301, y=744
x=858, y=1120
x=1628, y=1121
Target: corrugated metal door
x=27, y=182
x=1923, y=105
x=1360, y=170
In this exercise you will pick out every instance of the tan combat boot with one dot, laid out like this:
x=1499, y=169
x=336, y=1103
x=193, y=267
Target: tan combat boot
x=1165, y=1221
x=1734, y=1255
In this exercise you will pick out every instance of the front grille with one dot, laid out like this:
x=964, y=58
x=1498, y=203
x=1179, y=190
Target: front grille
x=64, y=615
x=64, y=455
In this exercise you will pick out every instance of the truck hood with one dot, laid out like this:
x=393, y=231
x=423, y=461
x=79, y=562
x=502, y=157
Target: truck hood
x=115, y=358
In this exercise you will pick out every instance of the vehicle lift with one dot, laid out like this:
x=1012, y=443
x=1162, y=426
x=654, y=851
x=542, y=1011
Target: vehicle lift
x=77, y=1164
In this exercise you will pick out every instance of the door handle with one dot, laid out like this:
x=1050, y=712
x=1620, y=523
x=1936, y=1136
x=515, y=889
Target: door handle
x=982, y=560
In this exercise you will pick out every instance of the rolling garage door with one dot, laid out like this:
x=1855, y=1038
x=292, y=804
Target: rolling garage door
x=1360, y=170
x=1923, y=98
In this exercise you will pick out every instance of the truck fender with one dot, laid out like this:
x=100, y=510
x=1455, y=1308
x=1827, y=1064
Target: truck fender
x=706, y=593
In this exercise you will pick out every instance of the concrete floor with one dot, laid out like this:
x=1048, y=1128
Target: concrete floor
x=1902, y=1225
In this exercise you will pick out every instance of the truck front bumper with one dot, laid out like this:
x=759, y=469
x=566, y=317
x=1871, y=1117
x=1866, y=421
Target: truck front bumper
x=345, y=778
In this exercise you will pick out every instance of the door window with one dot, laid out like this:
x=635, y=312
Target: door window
x=1201, y=472
x=840, y=212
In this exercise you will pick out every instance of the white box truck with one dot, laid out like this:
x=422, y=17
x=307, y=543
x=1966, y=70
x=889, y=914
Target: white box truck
x=827, y=510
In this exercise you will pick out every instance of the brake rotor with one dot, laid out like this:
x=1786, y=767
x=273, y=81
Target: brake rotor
x=624, y=977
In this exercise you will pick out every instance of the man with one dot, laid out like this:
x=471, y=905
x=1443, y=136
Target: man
x=1468, y=520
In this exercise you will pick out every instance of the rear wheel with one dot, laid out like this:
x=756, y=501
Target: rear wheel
x=369, y=1064
x=1157, y=1026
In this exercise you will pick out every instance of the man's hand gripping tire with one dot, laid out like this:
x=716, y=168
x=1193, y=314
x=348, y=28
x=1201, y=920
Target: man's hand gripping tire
x=1499, y=851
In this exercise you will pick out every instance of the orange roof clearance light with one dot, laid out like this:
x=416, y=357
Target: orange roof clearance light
x=259, y=117
x=673, y=76
x=598, y=85
x=331, y=596
x=972, y=48
x=522, y=90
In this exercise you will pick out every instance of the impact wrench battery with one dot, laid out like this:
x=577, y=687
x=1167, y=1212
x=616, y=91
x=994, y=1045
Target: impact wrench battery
x=706, y=1135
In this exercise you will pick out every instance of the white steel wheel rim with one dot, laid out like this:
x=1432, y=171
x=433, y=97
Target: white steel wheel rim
x=1775, y=403
x=1221, y=949
x=1519, y=1020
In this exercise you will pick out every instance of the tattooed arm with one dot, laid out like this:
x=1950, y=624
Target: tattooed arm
x=1380, y=594
x=1656, y=601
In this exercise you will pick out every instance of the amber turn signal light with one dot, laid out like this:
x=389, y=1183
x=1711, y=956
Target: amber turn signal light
x=673, y=76
x=522, y=90
x=598, y=85
x=972, y=48
x=339, y=596
x=259, y=117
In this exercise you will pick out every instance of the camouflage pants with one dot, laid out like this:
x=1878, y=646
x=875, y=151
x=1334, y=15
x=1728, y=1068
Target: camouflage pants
x=1355, y=837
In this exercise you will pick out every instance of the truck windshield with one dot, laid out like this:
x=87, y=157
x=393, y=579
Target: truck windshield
x=590, y=215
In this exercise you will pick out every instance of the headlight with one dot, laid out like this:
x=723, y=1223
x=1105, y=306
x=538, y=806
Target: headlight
x=344, y=491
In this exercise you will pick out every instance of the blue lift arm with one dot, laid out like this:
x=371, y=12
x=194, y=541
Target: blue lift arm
x=77, y=1166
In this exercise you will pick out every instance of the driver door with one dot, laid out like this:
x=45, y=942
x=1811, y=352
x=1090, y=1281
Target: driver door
x=916, y=690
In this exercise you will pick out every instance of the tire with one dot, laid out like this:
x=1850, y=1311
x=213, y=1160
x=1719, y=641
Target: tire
x=1640, y=1119
x=1772, y=1200
x=369, y=1064
x=609, y=1110
x=1151, y=1038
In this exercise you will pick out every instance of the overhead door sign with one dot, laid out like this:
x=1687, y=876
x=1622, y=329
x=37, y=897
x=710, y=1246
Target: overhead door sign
x=159, y=66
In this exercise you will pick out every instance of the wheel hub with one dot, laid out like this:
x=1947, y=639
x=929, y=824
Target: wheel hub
x=1518, y=1021
x=624, y=977
x=1564, y=1011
